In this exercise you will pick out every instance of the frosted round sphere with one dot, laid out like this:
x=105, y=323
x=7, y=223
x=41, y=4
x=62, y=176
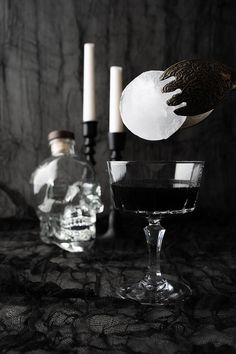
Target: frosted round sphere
x=144, y=110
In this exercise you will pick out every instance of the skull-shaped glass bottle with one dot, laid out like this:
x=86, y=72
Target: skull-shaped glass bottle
x=67, y=196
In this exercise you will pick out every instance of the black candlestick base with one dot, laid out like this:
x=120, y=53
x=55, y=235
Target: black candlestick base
x=89, y=134
x=115, y=228
x=116, y=142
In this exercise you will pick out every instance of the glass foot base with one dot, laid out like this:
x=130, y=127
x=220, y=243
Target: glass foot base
x=165, y=292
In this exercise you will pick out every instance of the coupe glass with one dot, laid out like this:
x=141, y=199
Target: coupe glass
x=155, y=190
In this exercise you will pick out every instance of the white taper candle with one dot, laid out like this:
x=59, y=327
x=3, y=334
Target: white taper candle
x=89, y=104
x=115, y=123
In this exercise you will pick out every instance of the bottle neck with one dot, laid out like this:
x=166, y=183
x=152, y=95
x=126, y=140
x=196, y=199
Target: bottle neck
x=62, y=147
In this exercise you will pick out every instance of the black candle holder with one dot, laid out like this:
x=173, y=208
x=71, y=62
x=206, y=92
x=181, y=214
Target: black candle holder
x=89, y=134
x=116, y=143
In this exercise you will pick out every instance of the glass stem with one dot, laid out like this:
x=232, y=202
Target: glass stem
x=154, y=233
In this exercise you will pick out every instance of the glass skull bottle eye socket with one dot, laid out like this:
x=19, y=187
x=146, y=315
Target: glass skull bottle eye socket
x=67, y=196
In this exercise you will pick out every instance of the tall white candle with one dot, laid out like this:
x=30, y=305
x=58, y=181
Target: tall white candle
x=89, y=107
x=115, y=123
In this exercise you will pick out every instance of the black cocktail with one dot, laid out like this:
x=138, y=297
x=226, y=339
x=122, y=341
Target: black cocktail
x=155, y=189
x=148, y=196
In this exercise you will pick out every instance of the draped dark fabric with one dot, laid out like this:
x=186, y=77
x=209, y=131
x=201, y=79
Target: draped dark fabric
x=56, y=302
x=41, y=83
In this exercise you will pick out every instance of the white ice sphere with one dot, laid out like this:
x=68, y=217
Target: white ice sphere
x=144, y=108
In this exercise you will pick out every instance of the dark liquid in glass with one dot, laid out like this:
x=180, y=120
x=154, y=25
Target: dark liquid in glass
x=148, y=196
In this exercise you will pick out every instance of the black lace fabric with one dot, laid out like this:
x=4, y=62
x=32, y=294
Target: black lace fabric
x=57, y=302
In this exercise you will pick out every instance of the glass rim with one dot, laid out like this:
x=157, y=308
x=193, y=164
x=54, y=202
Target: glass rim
x=200, y=162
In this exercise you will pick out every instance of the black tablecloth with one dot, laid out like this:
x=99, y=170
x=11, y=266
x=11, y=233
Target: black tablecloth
x=57, y=302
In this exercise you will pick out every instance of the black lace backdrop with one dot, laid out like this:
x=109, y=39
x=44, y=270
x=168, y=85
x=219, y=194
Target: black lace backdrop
x=53, y=301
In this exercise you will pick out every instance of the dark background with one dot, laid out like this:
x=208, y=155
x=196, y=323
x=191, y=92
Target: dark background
x=41, y=70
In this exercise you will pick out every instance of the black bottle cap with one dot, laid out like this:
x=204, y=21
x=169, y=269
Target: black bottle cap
x=61, y=134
